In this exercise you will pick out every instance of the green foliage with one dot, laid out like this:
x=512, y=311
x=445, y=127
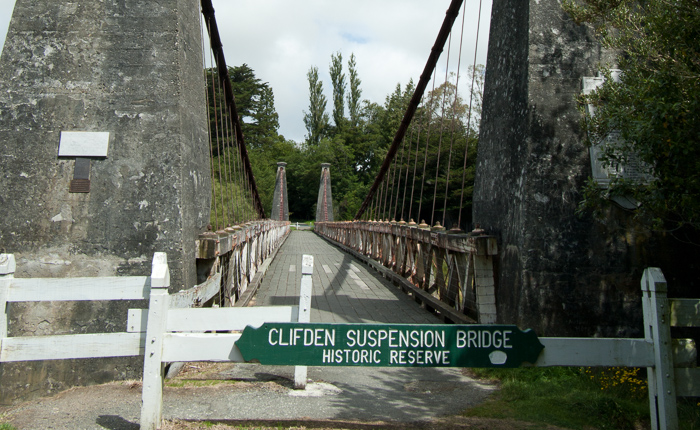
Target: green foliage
x=564, y=397
x=576, y=398
x=355, y=147
x=355, y=95
x=655, y=106
x=442, y=153
x=627, y=381
x=316, y=119
x=339, y=86
x=231, y=203
x=7, y=426
x=255, y=103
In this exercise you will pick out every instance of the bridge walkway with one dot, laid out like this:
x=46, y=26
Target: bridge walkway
x=344, y=289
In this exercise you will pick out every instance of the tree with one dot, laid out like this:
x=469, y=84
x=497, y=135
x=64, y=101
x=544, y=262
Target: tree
x=442, y=125
x=255, y=103
x=655, y=106
x=476, y=87
x=316, y=119
x=339, y=86
x=355, y=95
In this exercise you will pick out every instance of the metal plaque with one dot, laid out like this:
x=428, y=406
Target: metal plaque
x=83, y=144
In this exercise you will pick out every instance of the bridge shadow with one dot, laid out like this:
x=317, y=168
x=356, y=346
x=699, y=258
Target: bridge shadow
x=367, y=397
x=115, y=422
x=407, y=394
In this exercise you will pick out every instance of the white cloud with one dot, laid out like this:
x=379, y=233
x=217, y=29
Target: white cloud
x=281, y=39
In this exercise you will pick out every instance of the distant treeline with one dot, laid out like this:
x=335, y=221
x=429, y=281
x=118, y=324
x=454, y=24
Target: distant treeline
x=354, y=139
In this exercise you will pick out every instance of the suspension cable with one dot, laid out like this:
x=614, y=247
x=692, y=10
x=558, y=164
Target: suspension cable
x=429, y=118
x=469, y=116
x=235, y=185
x=453, y=121
x=442, y=124
x=450, y=17
x=227, y=163
x=408, y=167
x=217, y=47
x=211, y=144
x=415, y=166
x=218, y=150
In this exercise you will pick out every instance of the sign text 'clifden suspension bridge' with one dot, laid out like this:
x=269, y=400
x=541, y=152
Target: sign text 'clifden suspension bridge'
x=391, y=345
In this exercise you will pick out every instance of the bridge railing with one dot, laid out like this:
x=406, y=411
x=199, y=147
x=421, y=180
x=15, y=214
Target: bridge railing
x=456, y=269
x=239, y=256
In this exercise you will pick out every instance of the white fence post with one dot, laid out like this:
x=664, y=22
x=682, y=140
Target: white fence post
x=152, y=394
x=662, y=391
x=307, y=269
x=7, y=273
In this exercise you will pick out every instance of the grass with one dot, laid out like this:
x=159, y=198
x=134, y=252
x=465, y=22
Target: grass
x=576, y=398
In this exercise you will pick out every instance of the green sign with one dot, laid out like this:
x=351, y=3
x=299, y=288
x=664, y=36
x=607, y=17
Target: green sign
x=392, y=345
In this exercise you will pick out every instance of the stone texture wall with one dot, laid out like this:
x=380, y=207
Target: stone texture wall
x=324, y=204
x=131, y=68
x=280, y=202
x=559, y=273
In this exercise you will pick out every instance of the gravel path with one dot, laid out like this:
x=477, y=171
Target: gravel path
x=207, y=391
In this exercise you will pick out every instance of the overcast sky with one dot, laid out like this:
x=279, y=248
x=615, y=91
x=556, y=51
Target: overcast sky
x=282, y=39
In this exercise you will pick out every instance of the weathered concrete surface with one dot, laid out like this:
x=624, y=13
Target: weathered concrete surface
x=130, y=68
x=280, y=202
x=324, y=205
x=559, y=273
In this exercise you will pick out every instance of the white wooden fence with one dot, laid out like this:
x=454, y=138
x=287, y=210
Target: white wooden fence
x=670, y=363
x=186, y=334
x=173, y=334
x=165, y=332
x=58, y=289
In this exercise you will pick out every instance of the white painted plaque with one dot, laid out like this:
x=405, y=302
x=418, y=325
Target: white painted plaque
x=83, y=144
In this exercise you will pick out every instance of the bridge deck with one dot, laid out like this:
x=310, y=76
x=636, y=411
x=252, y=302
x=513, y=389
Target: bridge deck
x=344, y=289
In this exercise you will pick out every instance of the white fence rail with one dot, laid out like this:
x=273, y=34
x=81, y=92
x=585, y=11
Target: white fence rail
x=670, y=363
x=166, y=333
x=73, y=289
x=174, y=335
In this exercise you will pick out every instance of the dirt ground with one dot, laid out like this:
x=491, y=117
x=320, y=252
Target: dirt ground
x=454, y=423
x=203, y=394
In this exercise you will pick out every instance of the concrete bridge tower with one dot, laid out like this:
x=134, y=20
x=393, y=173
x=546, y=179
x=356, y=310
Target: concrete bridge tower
x=531, y=166
x=324, y=206
x=560, y=272
x=103, y=154
x=280, y=202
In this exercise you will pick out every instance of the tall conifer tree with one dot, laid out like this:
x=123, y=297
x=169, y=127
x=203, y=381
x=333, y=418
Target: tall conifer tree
x=355, y=95
x=316, y=119
x=339, y=86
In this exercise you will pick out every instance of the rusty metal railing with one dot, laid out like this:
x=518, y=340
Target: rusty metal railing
x=455, y=269
x=237, y=255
